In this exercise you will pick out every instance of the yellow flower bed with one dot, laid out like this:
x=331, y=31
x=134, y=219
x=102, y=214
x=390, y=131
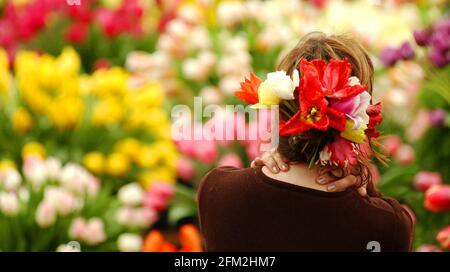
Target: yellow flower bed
x=51, y=91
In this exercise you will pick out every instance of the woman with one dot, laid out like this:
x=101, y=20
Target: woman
x=327, y=130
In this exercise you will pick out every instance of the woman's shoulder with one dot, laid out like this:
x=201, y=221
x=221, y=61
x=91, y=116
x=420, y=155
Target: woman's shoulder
x=226, y=179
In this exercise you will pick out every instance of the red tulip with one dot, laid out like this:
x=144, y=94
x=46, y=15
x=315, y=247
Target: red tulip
x=109, y=22
x=76, y=33
x=424, y=180
x=443, y=237
x=80, y=13
x=437, y=198
x=102, y=63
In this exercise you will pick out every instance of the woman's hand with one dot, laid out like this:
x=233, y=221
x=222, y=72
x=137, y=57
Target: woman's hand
x=275, y=162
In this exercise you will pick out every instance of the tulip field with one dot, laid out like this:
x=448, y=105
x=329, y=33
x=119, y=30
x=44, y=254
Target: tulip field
x=87, y=158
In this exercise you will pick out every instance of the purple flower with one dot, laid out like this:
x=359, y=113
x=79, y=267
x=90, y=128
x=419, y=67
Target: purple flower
x=440, y=40
x=422, y=36
x=442, y=26
x=439, y=58
x=389, y=56
x=437, y=117
x=406, y=51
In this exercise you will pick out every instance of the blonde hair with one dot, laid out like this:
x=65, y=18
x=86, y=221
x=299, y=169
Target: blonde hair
x=318, y=45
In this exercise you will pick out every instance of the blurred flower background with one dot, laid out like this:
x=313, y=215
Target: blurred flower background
x=86, y=89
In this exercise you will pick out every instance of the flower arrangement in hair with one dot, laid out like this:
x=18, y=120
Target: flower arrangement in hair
x=326, y=115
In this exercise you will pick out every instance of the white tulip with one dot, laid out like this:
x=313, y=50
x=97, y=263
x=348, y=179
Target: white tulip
x=24, y=194
x=35, y=170
x=11, y=179
x=199, y=39
x=62, y=200
x=53, y=167
x=211, y=95
x=9, y=203
x=282, y=84
x=230, y=13
x=178, y=29
x=229, y=84
x=129, y=242
x=95, y=231
x=194, y=70
x=131, y=194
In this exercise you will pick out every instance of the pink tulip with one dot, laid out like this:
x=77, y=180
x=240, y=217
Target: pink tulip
x=405, y=155
x=231, y=160
x=252, y=149
x=185, y=169
x=159, y=195
x=206, y=151
x=155, y=202
x=443, y=237
x=186, y=147
x=419, y=126
x=95, y=231
x=391, y=144
x=78, y=228
x=162, y=189
x=437, y=198
x=424, y=180
x=428, y=248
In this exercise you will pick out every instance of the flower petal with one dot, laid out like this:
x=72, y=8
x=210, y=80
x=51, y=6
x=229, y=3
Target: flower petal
x=342, y=152
x=249, y=89
x=310, y=84
x=294, y=125
x=337, y=119
x=336, y=75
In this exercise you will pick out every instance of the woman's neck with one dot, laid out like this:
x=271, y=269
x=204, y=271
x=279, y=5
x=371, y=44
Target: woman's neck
x=298, y=174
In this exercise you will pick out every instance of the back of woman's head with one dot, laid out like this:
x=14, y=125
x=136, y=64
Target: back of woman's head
x=303, y=146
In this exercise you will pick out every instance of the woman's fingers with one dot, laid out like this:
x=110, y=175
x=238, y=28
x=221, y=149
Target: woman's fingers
x=362, y=191
x=257, y=162
x=272, y=160
x=280, y=162
x=342, y=184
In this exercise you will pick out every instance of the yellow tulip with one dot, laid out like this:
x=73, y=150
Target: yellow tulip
x=110, y=82
x=7, y=164
x=159, y=174
x=147, y=157
x=68, y=62
x=149, y=95
x=354, y=135
x=129, y=147
x=94, y=162
x=5, y=77
x=117, y=165
x=35, y=149
x=66, y=112
x=22, y=121
x=107, y=112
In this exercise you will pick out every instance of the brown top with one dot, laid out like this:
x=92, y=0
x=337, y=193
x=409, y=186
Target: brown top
x=245, y=210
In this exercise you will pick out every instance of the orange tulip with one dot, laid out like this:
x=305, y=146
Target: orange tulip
x=190, y=238
x=168, y=247
x=153, y=242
